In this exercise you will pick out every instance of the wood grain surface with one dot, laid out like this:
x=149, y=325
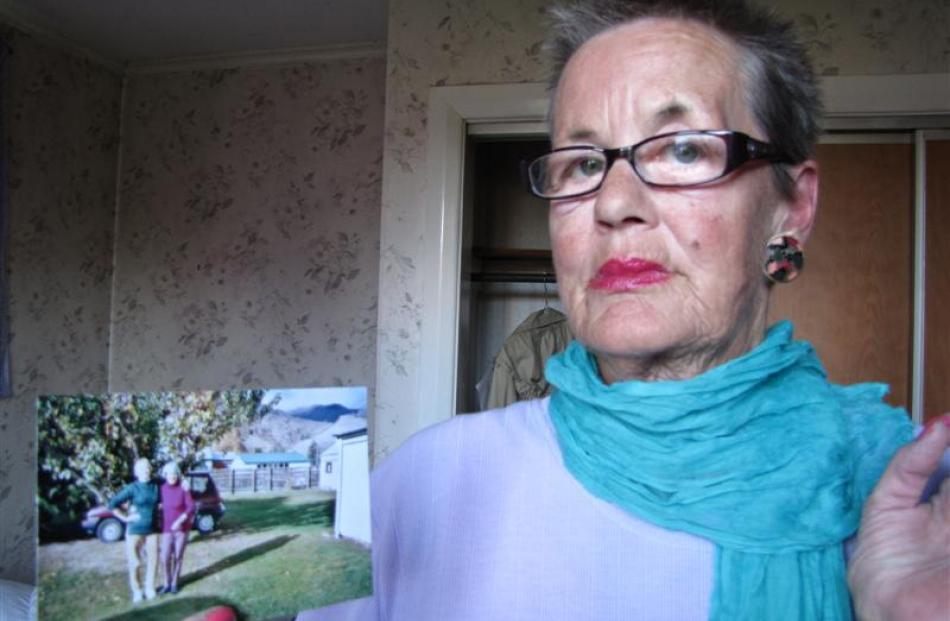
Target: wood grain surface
x=937, y=292
x=853, y=300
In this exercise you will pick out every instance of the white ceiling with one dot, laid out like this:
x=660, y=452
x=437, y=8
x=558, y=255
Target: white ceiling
x=142, y=31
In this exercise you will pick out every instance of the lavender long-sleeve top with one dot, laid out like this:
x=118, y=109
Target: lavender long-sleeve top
x=477, y=519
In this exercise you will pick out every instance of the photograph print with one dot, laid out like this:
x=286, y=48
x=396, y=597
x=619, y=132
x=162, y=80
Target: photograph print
x=161, y=505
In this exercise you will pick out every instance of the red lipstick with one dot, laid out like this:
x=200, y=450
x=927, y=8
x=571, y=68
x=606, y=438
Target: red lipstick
x=628, y=275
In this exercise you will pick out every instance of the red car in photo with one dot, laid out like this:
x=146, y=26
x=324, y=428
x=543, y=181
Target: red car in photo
x=102, y=523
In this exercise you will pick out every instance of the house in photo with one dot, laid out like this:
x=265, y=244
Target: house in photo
x=330, y=455
x=352, y=518
x=210, y=460
x=262, y=461
x=330, y=468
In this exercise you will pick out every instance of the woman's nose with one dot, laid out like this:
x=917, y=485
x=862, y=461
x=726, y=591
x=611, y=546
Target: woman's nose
x=624, y=199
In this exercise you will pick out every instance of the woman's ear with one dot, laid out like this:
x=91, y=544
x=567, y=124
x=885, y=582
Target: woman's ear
x=798, y=210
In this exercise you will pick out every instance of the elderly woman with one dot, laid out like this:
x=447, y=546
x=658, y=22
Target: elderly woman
x=692, y=463
x=140, y=538
x=178, y=512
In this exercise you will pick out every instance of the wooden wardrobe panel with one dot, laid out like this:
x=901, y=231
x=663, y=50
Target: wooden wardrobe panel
x=853, y=300
x=937, y=279
x=508, y=216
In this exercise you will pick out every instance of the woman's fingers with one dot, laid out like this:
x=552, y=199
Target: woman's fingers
x=906, y=476
x=942, y=501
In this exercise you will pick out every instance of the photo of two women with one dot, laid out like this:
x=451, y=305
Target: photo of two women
x=158, y=516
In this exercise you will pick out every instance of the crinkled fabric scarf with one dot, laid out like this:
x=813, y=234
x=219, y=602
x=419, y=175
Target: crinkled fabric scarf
x=762, y=456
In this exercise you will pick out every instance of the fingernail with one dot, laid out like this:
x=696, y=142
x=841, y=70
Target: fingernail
x=944, y=420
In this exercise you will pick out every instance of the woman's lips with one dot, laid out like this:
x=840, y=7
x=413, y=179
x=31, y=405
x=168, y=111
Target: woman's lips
x=628, y=275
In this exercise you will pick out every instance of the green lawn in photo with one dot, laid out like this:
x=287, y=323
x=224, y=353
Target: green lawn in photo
x=273, y=555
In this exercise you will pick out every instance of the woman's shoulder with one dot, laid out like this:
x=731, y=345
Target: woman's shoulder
x=453, y=445
x=516, y=420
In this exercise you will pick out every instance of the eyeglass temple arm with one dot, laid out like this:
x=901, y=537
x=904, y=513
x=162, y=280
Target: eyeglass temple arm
x=526, y=176
x=758, y=150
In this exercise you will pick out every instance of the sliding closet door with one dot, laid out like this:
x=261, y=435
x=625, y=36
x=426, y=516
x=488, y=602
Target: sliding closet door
x=854, y=299
x=937, y=289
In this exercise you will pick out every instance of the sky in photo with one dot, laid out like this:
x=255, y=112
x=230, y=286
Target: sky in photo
x=353, y=397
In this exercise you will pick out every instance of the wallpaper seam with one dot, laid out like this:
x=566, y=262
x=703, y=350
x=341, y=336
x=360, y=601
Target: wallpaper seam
x=6, y=100
x=123, y=91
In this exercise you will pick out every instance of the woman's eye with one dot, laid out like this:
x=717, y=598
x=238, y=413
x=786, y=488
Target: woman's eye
x=685, y=152
x=589, y=167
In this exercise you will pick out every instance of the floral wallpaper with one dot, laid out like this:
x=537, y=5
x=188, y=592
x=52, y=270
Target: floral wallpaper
x=862, y=37
x=453, y=42
x=64, y=127
x=247, y=250
x=248, y=234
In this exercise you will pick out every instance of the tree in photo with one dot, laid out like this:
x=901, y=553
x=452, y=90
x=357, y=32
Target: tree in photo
x=86, y=447
x=88, y=443
x=192, y=421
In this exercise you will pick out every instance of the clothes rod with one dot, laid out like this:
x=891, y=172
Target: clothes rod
x=522, y=277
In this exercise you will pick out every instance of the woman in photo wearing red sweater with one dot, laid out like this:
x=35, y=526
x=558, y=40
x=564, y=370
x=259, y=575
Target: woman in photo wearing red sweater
x=178, y=511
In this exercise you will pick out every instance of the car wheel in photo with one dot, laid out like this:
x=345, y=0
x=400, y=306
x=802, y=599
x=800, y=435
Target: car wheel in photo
x=110, y=530
x=205, y=523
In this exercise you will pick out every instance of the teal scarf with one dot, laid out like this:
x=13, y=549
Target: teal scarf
x=761, y=455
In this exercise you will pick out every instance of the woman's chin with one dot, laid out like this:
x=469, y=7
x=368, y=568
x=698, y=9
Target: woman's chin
x=640, y=340
x=629, y=323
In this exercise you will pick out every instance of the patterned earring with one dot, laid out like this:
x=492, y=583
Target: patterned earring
x=783, y=258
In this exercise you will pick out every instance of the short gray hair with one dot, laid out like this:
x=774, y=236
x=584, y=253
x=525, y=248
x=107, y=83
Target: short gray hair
x=783, y=93
x=171, y=468
x=141, y=463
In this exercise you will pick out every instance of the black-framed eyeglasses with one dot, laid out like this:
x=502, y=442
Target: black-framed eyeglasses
x=677, y=159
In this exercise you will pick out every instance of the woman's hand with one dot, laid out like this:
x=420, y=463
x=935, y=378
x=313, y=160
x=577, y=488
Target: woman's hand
x=901, y=567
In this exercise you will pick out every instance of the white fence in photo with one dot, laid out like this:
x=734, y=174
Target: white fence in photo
x=233, y=481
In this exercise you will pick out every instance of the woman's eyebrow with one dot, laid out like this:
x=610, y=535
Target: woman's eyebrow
x=672, y=111
x=582, y=135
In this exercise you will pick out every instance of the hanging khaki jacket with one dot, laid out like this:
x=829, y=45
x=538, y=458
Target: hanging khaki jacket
x=518, y=372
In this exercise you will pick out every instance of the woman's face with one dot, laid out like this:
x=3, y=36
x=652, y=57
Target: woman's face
x=171, y=477
x=143, y=471
x=659, y=273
